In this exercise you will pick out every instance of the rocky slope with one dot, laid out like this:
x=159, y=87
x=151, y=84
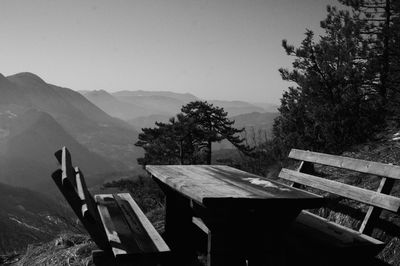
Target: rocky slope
x=30, y=217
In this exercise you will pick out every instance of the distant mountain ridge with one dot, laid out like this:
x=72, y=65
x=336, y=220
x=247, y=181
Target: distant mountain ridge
x=143, y=108
x=37, y=118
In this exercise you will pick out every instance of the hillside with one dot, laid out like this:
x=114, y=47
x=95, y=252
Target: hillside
x=27, y=145
x=386, y=148
x=258, y=127
x=132, y=105
x=29, y=217
x=237, y=107
x=37, y=118
x=148, y=121
x=115, y=107
x=89, y=125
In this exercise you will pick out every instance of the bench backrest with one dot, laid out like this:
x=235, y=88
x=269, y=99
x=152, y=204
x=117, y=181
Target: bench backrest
x=70, y=181
x=377, y=200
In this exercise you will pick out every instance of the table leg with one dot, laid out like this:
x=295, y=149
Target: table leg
x=271, y=251
x=179, y=230
x=220, y=253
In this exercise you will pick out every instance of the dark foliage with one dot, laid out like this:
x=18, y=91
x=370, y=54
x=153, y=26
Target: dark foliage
x=345, y=81
x=188, y=138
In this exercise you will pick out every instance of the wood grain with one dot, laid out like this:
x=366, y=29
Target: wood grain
x=223, y=185
x=151, y=231
x=369, y=197
x=367, y=167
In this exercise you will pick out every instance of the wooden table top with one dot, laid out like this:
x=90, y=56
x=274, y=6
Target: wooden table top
x=219, y=184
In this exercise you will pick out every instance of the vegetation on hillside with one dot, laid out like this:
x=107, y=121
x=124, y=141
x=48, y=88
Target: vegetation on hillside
x=346, y=82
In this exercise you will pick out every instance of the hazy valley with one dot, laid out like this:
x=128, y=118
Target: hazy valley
x=98, y=127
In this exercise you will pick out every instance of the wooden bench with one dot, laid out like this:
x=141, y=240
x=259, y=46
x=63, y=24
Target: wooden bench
x=114, y=221
x=317, y=235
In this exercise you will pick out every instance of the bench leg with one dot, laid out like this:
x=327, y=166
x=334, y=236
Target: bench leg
x=102, y=258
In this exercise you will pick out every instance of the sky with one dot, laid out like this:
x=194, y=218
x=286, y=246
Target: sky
x=214, y=49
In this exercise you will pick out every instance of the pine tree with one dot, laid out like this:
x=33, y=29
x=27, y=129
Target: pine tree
x=188, y=137
x=212, y=121
x=333, y=104
x=381, y=20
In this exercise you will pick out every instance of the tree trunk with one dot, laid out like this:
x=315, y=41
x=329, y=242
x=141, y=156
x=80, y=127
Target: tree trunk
x=209, y=152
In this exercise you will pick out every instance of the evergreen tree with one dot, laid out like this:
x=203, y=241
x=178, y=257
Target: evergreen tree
x=381, y=20
x=212, y=121
x=188, y=138
x=333, y=104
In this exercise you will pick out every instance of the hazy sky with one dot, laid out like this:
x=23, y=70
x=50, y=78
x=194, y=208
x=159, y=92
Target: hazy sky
x=215, y=49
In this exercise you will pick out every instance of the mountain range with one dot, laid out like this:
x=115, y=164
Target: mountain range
x=99, y=128
x=143, y=108
x=37, y=118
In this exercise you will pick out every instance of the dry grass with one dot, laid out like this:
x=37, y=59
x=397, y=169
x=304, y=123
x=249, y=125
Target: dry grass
x=66, y=250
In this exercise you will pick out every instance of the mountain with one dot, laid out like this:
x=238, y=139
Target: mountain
x=89, y=125
x=148, y=121
x=236, y=107
x=258, y=127
x=27, y=144
x=153, y=104
x=184, y=97
x=142, y=108
x=268, y=107
x=29, y=217
x=115, y=107
x=259, y=123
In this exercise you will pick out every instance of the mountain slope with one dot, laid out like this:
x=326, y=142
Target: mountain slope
x=236, y=107
x=29, y=217
x=26, y=157
x=148, y=121
x=92, y=127
x=183, y=97
x=255, y=122
x=115, y=107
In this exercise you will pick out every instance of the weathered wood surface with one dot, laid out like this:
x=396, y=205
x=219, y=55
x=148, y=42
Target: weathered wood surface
x=333, y=233
x=373, y=213
x=128, y=230
x=66, y=180
x=369, y=197
x=115, y=222
x=218, y=185
x=362, y=166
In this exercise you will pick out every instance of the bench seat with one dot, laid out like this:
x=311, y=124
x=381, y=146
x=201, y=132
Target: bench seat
x=115, y=222
x=321, y=234
x=129, y=232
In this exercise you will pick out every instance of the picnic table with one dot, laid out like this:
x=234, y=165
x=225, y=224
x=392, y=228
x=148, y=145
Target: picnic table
x=247, y=215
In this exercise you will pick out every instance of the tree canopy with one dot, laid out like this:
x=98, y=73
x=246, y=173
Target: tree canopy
x=344, y=80
x=188, y=137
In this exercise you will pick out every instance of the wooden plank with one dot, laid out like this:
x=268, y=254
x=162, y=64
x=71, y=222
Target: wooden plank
x=151, y=231
x=66, y=167
x=373, y=213
x=126, y=235
x=204, y=183
x=88, y=198
x=332, y=232
x=94, y=229
x=111, y=232
x=387, y=202
x=200, y=224
x=367, y=167
x=81, y=194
